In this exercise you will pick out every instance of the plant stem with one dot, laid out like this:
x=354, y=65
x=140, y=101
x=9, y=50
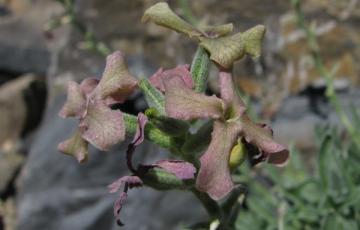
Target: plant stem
x=327, y=75
x=209, y=204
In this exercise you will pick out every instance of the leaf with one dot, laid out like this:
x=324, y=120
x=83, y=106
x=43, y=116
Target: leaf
x=75, y=146
x=162, y=15
x=101, y=126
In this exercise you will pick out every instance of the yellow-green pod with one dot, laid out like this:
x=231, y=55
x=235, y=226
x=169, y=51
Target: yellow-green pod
x=237, y=155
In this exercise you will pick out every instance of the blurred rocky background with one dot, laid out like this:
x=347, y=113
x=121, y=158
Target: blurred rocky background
x=42, y=189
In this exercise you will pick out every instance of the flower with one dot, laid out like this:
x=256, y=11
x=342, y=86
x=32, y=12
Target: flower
x=89, y=101
x=230, y=125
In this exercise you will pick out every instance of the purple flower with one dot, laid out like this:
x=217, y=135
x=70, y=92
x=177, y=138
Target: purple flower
x=230, y=124
x=90, y=101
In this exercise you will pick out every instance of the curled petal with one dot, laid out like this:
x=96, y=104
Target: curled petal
x=88, y=85
x=75, y=146
x=132, y=181
x=116, y=82
x=139, y=135
x=159, y=78
x=181, y=169
x=214, y=176
x=101, y=126
x=226, y=50
x=183, y=103
x=261, y=136
x=162, y=15
x=118, y=206
x=75, y=103
x=229, y=95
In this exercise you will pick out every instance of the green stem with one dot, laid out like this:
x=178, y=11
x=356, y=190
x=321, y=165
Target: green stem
x=210, y=205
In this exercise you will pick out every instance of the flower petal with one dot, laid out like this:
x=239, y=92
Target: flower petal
x=214, y=176
x=159, y=78
x=226, y=50
x=75, y=103
x=88, y=85
x=229, y=95
x=183, y=103
x=139, y=135
x=101, y=126
x=162, y=15
x=181, y=169
x=116, y=81
x=132, y=181
x=75, y=146
x=261, y=136
x=217, y=31
x=118, y=206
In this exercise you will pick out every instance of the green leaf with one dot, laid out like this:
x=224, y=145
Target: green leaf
x=160, y=179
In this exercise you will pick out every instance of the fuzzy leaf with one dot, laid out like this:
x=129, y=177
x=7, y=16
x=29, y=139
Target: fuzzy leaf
x=183, y=103
x=75, y=102
x=214, y=176
x=75, y=146
x=116, y=82
x=162, y=15
x=262, y=138
x=226, y=50
x=101, y=126
x=200, y=69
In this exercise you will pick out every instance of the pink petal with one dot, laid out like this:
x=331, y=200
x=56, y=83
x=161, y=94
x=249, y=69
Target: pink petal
x=261, y=136
x=214, y=176
x=139, y=135
x=159, y=78
x=75, y=146
x=116, y=81
x=101, y=126
x=118, y=206
x=229, y=95
x=183, y=103
x=133, y=181
x=75, y=103
x=181, y=169
x=88, y=85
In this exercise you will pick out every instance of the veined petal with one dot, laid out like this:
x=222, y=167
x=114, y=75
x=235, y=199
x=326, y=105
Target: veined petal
x=101, y=126
x=229, y=95
x=226, y=50
x=181, y=169
x=116, y=81
x=159, y=78
x=75, y=103
x=139, y=135
x=261, y=137
x=88, y=85
x=162, y=15
x=183, y=103
x=217, y=31
x=214, y=176
x=75, y=146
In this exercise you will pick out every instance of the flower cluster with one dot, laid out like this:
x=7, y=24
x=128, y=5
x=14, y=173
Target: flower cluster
x=177, y=101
